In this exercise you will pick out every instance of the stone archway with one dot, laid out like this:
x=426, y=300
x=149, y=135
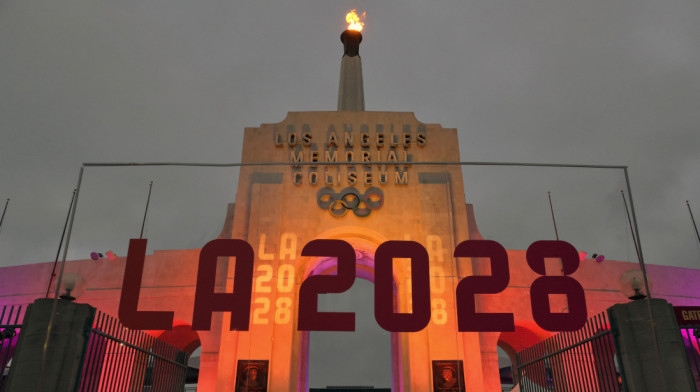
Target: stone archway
x=526, y=334
x=181, y=336
x=365, y=243
x=184, y=338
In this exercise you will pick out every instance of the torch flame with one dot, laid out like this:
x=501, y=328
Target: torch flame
x=355, y=22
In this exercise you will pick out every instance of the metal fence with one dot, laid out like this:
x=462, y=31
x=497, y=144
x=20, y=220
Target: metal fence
x=582, y=360
x=121, y=360
x=691, y=338
x=11, y=318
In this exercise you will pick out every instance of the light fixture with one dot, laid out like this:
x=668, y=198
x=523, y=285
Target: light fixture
x=72, y=286
x=632, y=285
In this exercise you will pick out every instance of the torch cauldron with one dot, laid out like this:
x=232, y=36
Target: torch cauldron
x=351, y=94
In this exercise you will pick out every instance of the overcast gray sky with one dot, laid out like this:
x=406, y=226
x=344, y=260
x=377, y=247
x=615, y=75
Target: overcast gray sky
x=530, y=80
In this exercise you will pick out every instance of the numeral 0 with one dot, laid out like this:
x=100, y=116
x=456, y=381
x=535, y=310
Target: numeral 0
x=384, y=312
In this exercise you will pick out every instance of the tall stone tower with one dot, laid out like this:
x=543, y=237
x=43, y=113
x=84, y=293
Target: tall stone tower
x=351, y=93
x=385, y=193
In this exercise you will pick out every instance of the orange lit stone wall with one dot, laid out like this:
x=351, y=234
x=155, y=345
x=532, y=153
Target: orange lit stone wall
x=277, y=212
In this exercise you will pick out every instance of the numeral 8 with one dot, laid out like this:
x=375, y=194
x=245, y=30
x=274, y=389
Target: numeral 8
x=545, y=285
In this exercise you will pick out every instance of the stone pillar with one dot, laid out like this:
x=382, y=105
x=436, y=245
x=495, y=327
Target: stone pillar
x=208, y=365
x=69, y=336
x=351, y=93
x=645, y=367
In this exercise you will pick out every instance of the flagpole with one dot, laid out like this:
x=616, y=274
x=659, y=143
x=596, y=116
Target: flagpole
x=691, y=217
x=52, y=317
x=148, y=201
x=634, y=238
x=60, y=244
x=3, y=212
x=556, y=233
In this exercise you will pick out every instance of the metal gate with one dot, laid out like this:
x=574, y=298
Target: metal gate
x=688, y=318
x=11, y=318
x=583, y=360
x=121, y=360
x=116, y=358
x=691, y=338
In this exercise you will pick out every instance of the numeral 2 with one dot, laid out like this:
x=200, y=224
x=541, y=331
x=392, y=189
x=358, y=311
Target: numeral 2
x=468, y=320
x=310, y=319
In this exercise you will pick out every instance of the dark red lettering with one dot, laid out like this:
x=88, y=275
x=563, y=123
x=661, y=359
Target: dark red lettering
x=468, y=320
x=384, y=309
x=310, y=319
x=238, y=302
x=543, y=286
x=131, y=290
x=207, y=301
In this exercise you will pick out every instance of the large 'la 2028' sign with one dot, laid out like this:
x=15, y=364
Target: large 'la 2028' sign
x=309, y=318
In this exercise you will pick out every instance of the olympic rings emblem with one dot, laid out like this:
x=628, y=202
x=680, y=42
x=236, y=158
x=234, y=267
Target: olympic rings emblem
x=361, y=204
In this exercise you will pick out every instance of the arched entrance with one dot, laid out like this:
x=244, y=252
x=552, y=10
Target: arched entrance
x=362, y=357
x=183, y=337
x=365, y=243
x=526, y=334
x=506, y=369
